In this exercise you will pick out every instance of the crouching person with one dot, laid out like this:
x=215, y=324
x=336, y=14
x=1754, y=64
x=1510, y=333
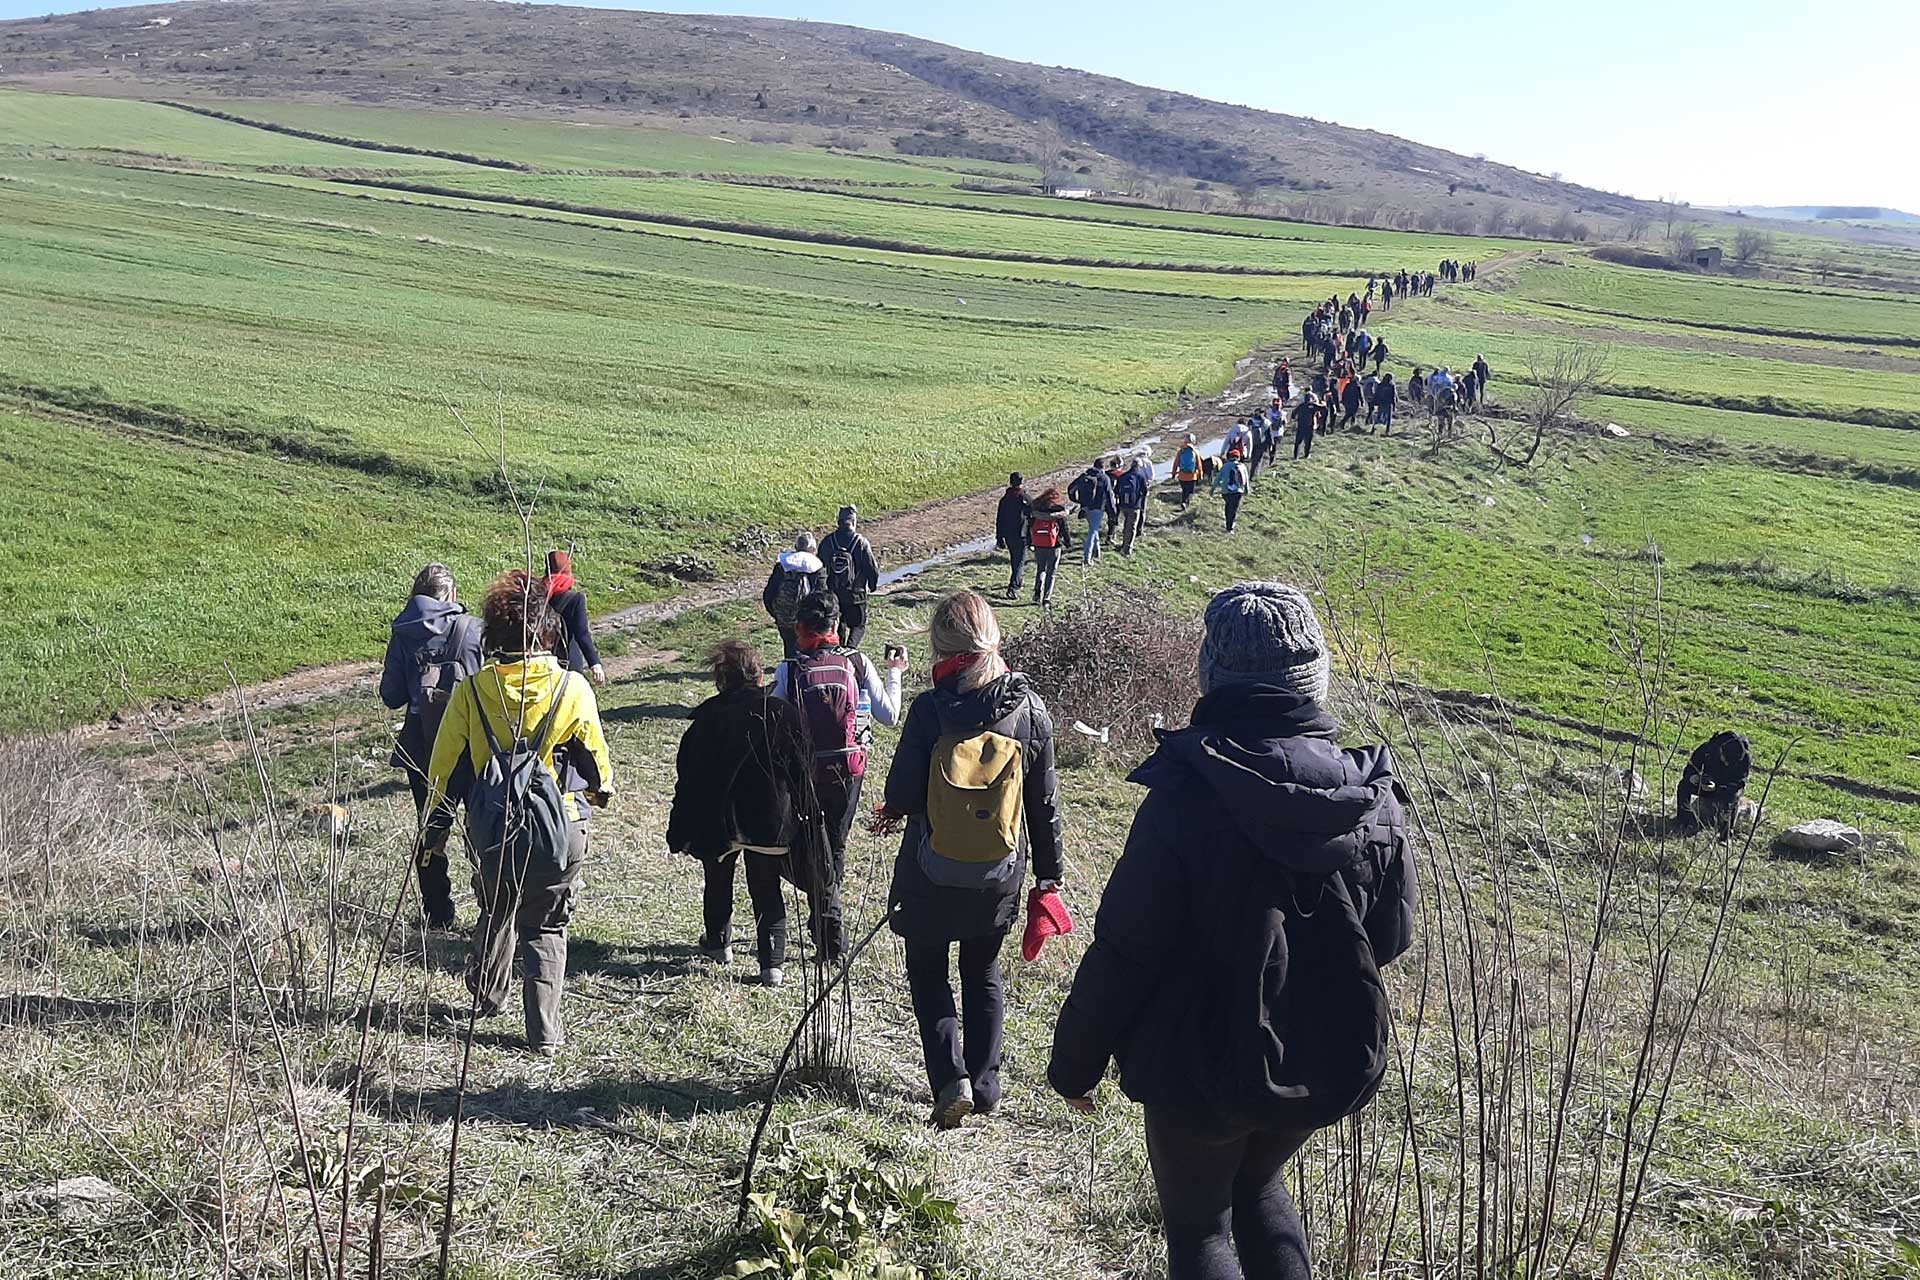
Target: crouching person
x=742, y=778
x=521, y=747
x=1235, y=969
x=974, y=775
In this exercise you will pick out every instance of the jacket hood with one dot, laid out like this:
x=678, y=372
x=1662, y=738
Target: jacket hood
x=989, y=703
x=424, y=618
x=532, y=683
x=801, y=562
x=1271, y=762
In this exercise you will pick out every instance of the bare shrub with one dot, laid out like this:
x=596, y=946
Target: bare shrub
x=1751, y=246
x=1116, y=661
x=1558, y=378
x=1683, y=242
x=1495, y=220
x=1636, y=226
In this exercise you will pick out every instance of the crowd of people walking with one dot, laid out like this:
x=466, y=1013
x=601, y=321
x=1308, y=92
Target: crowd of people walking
x=1261, y=848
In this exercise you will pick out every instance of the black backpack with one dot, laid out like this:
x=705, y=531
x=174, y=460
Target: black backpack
x=843, y=571
x=1299, y=1012
x=436, y=673
x=516, y=811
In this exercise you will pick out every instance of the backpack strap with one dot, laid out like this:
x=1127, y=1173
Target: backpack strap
x=473, y=687
x=541, y=735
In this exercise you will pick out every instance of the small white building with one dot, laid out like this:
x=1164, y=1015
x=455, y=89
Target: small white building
x=1073, y=193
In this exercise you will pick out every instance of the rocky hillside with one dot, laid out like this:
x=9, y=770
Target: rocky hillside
x=810, y=82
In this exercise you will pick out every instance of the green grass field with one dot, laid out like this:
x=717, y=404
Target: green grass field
x=226, y=443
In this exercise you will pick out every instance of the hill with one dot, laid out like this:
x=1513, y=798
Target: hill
x=790, y=81
x=1821, y=213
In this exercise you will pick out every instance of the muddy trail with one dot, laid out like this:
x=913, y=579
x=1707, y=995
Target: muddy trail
x=908, y=543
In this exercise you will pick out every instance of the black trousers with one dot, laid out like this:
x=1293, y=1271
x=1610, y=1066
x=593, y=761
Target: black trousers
x=764, y=891
x=430, y=864
x=839, y=794
x=1233, y=510
x=789, y=641
x=1223, y=1195
x=968, y=1044
x=1017, y=557
x=1302, y=445
x=853, y=621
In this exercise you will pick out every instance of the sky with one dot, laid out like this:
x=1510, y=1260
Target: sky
x=1714, y=101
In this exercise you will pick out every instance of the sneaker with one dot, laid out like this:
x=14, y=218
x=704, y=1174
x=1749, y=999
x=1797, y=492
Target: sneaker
x=773, y=976
x=548, y=1050
x=953, y=1104
x=985, y=1103
x=721, y=954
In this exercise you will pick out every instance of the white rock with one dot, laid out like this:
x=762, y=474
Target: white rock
x=70, y=1198
x=1617, y=431
x=1820, y=835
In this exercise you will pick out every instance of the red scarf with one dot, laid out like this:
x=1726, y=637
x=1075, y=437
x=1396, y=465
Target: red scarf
x=558, y=583
x=811, y=640
x=954, y=666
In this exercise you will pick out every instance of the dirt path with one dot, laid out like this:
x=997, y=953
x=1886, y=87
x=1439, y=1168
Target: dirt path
x=921, y=538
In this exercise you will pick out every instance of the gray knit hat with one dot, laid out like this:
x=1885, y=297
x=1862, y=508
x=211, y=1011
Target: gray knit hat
x=1265, y=633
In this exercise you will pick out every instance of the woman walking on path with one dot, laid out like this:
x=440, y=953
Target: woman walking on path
x=527, y=872
x=1047, y=533
x=1235, y=968
x=742, y=776
x=974, y=778
x=569, y=604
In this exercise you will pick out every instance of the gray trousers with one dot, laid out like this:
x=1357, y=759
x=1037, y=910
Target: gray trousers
x=524, y=912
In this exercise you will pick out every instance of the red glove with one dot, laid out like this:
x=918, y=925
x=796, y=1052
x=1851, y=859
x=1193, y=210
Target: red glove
x=1046, y=917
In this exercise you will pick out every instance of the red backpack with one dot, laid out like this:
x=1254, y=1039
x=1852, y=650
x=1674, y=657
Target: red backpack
x=1046, y=532
x=827, y=689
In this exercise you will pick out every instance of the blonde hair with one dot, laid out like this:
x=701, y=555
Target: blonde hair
x=963, y=624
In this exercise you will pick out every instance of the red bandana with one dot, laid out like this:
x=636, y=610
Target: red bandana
x=558, y=583
x=955, y=666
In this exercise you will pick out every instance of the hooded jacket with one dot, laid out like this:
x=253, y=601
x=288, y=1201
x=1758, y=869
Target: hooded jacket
x=1093, y=491
x=515, y=696
x=1249, y=812
x=425, y=621
x=802, y=562
x=741, y=765
x=918, y=908
x=1010, y=518
x=1130, y=490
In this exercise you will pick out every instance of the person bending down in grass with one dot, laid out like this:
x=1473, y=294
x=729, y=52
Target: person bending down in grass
x=521, y=746
x=1235, y=968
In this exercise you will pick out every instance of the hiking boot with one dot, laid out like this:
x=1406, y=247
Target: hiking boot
x=720, y=953
x=985, y=1101
x=443, y=920
x=773, y=976
x=548, y=1050
x=953, y=1104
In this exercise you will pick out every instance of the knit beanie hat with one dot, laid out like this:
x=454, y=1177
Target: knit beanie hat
x=1265, y=633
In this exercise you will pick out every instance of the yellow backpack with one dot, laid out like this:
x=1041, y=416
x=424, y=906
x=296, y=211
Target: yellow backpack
x=974, y=791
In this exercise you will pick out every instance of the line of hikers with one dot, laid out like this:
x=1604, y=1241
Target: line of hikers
x=1233, y=976
x=1454, y=272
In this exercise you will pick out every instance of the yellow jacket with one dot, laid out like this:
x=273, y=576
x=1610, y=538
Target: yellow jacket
x=517, y=695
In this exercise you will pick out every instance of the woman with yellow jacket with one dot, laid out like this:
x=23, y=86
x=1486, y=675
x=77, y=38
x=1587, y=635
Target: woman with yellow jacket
x=522, y=699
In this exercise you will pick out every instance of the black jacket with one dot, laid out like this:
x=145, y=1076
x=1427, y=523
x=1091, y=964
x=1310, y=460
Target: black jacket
x=1254, y=794
x=1010, y=520
x=742, y=762
x=457, y=635
x=918, y=908
x=575, y=647
x=1094, y=491
x=863, y=570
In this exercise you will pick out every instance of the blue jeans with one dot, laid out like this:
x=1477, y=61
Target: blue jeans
x=1092, y=550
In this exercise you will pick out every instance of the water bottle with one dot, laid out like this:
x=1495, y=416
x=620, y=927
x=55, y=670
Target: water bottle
x=863, y=716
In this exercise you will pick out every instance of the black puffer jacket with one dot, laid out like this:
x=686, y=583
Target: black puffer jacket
x=918, y=908
x=742, y=764
x=1249, y=812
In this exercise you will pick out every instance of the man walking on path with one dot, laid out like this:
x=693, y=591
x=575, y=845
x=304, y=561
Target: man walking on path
x=1306, y=419
x=1385, y=397
x=852, y=573
x=1233, y=487
x=1094, y=492
x=1482, y=373
x=1186, y=469
x=1130, y=495
x=1010, y=530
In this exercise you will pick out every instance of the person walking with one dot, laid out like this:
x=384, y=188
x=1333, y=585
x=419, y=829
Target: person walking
x=1379, y=354
x=1283, y=381
x=432, y=646
x=840, y=694
x=1234, y=973
x=1186, y=469
x=1130, y=495
x=1385, y=397
x=1482, y=372
x=528, y=846
x=974, y=779
x=1306, y=420
x=1093, y=492
x=1349, y=400
x=1047, y=533
x=796, y=575
x=568, y=603
x=853, y=573
x=1010, y=530
x=742, y=781
x=1116, y=471
x=1234, y=483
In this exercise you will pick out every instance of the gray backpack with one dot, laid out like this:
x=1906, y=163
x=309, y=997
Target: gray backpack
x=516, y=811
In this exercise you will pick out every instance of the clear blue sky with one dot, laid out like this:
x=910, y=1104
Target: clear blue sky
x=1718, y=101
